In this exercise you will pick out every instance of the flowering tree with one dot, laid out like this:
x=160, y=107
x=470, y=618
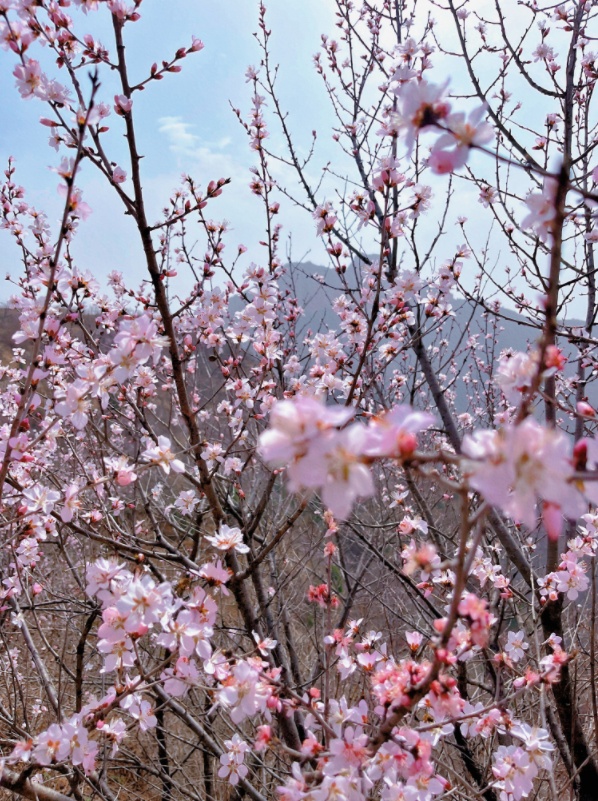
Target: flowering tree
x=244, y=554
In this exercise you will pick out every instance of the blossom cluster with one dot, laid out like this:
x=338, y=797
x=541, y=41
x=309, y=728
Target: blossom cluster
x=321, y=454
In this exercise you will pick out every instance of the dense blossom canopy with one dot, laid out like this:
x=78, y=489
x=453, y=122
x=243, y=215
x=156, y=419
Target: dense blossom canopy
x=311, y=537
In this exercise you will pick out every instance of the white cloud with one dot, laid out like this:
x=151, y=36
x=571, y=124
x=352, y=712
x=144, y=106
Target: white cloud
x=207, y=159
x=182, y=141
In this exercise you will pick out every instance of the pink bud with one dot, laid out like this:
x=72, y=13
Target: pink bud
x=407, y=443
x=119, y=176
x=122, y=104
x=585, y=410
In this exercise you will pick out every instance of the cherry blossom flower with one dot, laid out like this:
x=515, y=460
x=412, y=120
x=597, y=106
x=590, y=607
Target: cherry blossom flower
x=178, y=680
x=119, y=176
x=229, y=539
x=517, y=466
x=100, y=577
x=514, y=771
x=414, y=640
x=265, y=644
x=394, y=433
x=347, y=477
x=141, y=710
x=144, y=602
x=50, y=746
x=541, y=210
x=536, y=742
x=294, y=424
x=232, y=762
x=118, y=654
x=515, y=374
x=243, y=693
x=516, y=646
x=124, y=473
x=21, y=752
x=122, y=104
x=75, y=405
x=571, y=578
x=325, y=218
x=451, y=150
x=82, y=750
x=140, y=334
x=40, y=499
x=29, y=78
x=115, y=732
x=421, y=105
x=186, y=502
x=160, y=454
x=303, y=432
x=264, y=736
x=216, y=575
x=72, y=502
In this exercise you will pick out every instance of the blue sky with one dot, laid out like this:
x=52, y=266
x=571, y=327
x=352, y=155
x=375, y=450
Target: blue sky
x=184, y=123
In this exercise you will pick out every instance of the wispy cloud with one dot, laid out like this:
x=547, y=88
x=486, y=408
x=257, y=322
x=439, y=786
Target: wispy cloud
x=183, y=142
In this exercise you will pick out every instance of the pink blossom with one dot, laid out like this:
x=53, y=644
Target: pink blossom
x=325, y=218
x=232, y=767
x=29, y=78
x=144, y=602
x=178, y=680
x=229, y=539
x=186, y=502
x=264, y=735
x=394, y=434
x=216, y=575
x=124, y=473
x=244, y=693
x=421, y=105
x=119, y=176
x=75, y=405
x=72, y=502
x=101, y=575
x=414, y=640
x=122, y=104
x=451, y=150
x=115, y=731
x=21, y=752
x=51, y=746
x=40, y=499
x=444, y=162
x=518, y=465
x=160, y=454
x=265, y=644
x=571, y=577
x=514, y=771
x=303, y=432
x=118, y=654
x=516, y=645
x=143, y=712
x=515, y=374
x=541, y=210
x=346, y=477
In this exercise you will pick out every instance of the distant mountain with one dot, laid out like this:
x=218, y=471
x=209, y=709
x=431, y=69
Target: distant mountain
x=316, y=287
